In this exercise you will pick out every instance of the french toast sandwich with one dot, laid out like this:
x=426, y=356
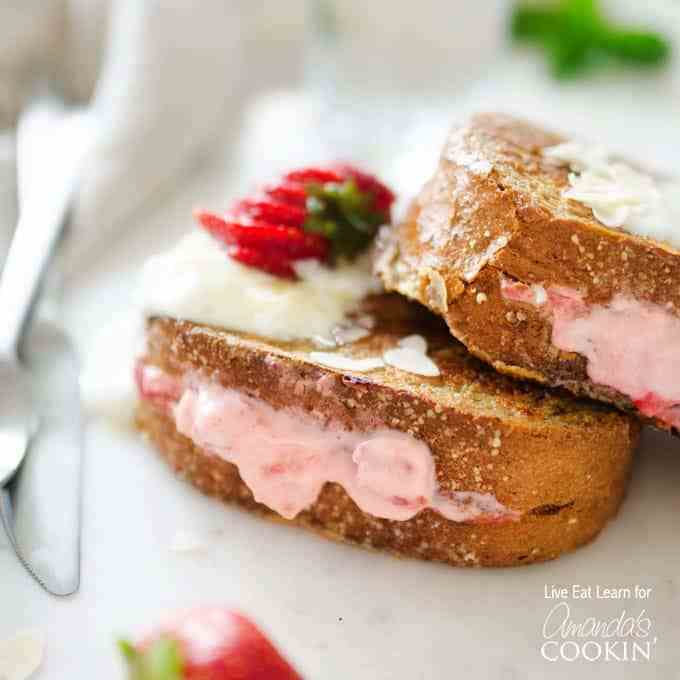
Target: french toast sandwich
x=276, y=376
x=551, y=260
x=468, y=467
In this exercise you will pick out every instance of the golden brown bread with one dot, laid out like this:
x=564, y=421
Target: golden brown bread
x=562, y=463
x=494, y=210
x=543, y=534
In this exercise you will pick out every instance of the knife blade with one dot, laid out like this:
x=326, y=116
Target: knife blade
x=46, y=493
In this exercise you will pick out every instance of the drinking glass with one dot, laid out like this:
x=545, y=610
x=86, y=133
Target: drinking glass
x=387, y=74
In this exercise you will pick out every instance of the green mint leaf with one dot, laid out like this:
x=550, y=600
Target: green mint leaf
x=583, y=14
x=568, y=61
x=577, y=37
x=529, y=23
x=639, y=47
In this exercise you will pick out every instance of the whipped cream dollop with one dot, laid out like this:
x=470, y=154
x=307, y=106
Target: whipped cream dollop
x=619, y=195
x=197, y=281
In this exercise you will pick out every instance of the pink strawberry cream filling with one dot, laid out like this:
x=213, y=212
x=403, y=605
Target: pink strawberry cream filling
x=631, y=345
x=285, y=456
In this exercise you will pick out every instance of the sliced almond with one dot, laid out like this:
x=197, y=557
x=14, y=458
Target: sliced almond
x=411, y=361
x=21, y=655
x=414, y=342
x=345, y=363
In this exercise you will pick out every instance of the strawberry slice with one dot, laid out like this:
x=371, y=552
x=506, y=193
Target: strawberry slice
x=274, y=213
x=292, y=193
x=267, y=262
x=315, y=175
x=211, y=643
x=321, y=213
x=292, y=242
x=212, y=223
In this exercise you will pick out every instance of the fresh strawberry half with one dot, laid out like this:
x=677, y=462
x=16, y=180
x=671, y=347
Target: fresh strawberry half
x=207, y=644
x=267, y=237
x=312, y=213
x=267, y=262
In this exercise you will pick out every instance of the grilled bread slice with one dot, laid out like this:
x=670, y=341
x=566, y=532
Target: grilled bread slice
x=534, y=473
x=530, y=281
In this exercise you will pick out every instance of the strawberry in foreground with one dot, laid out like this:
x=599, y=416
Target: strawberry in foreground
x=313, y=213
x=211, y=643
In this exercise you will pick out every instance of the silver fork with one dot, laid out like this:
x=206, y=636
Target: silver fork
x=40, y=225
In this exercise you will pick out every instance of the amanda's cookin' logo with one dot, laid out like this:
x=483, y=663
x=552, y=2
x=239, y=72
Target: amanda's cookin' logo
x=626, y=637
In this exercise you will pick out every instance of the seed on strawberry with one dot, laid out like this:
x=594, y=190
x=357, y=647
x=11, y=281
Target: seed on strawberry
x=269, y=211
x=275, y=264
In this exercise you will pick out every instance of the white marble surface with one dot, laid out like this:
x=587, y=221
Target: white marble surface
x=337, y=612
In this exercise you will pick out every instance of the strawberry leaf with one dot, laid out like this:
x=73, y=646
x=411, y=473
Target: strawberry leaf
x=128, y=650
x=344, y=214
x=314, y=213
x=162, y=660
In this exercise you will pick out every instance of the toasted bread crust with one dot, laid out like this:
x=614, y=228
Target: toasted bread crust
x=495, y=209
x=542, y=535
x=536, y=452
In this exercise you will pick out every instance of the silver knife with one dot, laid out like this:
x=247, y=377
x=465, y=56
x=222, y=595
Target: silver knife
x=43, y=518
x=46, y=492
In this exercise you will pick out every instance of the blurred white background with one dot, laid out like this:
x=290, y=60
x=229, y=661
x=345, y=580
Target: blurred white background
x=267, y=84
